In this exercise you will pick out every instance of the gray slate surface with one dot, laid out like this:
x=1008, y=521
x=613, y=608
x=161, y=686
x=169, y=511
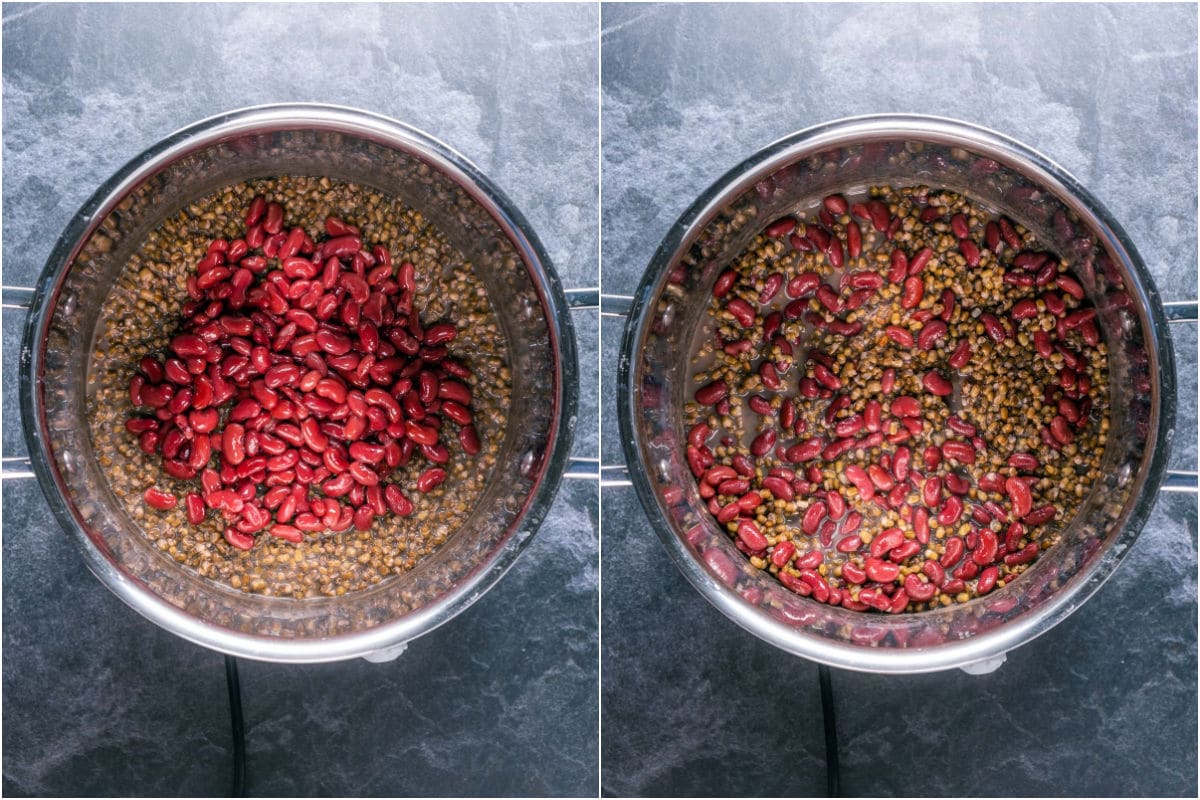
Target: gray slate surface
x=1103, y=704
x=502, y=700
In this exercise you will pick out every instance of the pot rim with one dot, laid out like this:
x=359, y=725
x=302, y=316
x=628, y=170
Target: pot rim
x=383, y=130
x=985, y=647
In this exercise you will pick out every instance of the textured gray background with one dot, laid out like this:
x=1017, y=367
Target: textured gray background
x=502, y=700
x=1103, y=704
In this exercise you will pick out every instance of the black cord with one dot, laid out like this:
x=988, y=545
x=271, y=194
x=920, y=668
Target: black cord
x=239, y=730
x=832, y=772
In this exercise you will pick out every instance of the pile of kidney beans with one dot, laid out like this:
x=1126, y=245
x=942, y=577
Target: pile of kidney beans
x=299, y=380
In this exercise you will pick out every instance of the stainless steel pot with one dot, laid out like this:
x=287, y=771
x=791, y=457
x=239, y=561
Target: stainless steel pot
x=343, y=144
x=848, y=156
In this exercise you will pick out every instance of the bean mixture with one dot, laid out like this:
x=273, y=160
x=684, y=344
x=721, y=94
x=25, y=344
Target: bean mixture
x=902, y=401
x=299, y=387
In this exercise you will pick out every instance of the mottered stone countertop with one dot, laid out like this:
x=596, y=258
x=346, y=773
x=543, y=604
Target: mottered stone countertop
x=501, y=700
x=1105, y=703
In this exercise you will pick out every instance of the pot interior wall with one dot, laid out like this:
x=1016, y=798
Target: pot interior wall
x=491, y=530
x=785, y=181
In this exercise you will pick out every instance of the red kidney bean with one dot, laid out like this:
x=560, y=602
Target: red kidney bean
x=958, y=225
x=779, y=488
x=741, y=311
x=1070, y=286
x=920, y=522
x=954, y=549
x=931, y=492
x=820, y=589
x=1009, y=233
x=936, y=384
x=1054, y=304
x=255, y=211
x=771, y=287
x=900, y=336
x=759, y=405
x=906, y=406
x=733, y=486
x=819, y=236
x=194, y=505
x=363, y=474
x=853, y=239
x=233, y=443
x=1012, y=537
x=958, y=451
x=835, y=253
x=917, y=263
x=918, y=589
x=995, y=330
x=1022, y=556
x=881, y=571
x=987, y=580
x=242, y=541
x=430, y=478
x=961, y=355
x=1041, y=515
x=783, y=553
x=931, y=333
x=991, y=236
x=769, y=376
x=812, y=517
x=879, y=476
x=763, y=443
x=1061, y=430
x=287, y=533
x=960, y=426
x=886, y=541
x=914, y=290
x=849, y=426
x=836, y=204
x=836, y=448
x=970, y=252
x=899, y=267
x=159, y=498
x=951, y=511
x=1019, y=494
x=468, y=439
x=823, y=376
x=848, y=544
x=803, y=285
x=712, y=393
x=880, y=216
x=857, y=476
x=750, y=535
x=985, y=551
x=780, y=227
x=1024, y=309
x=396, y=502
x=935, y=572
x=853, y=573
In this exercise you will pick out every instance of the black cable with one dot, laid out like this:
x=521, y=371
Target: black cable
x=239, y=730
x=832, y=771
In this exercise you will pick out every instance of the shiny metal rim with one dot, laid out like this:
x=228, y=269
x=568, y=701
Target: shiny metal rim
x=1049, y=174
x=384, y=131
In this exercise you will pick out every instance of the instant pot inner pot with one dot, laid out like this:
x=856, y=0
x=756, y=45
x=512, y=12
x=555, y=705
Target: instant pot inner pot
x=530, y=346
x=676, y=309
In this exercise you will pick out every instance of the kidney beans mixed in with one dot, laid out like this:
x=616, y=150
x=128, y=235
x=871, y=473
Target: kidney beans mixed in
x=300, y=378
x=903, y=400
